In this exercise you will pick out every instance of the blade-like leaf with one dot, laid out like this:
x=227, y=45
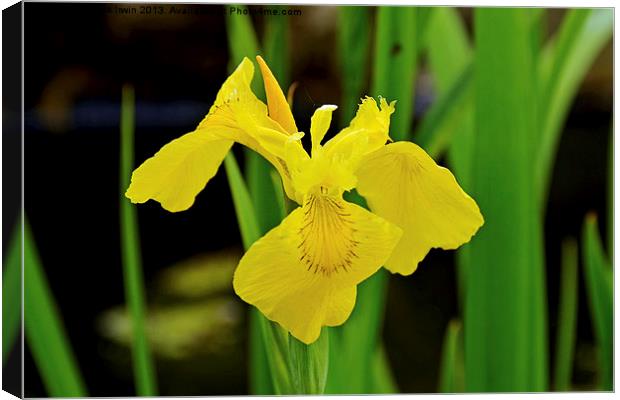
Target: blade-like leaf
x=599, y=288
x=451, y=376
x=11, y=292
x=353, y=42
x=563, y=66
x=44, y=330
x=444, y=119
x=243, y=42
x=394, y=68
x=449, y=65
x=308, y=364
x=144, y=372
x=504, y=334
x=268, y=335
x=382, y=380
x=567, y=317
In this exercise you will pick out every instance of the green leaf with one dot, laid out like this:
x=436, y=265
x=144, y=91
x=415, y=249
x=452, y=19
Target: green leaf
x=563, y=66
x=599, y=288
x=394, y=68
x=308, y=364
x=354, y=344
x=567, y=317
x=381, y=378
x=246, y=216
x=45, y=333
x=268, y=340
x=444, y=119
x=353, y=42
x=12, y=292
x=449, y=65
x=144, y=372
x=243, y=42
x=505, y=334
x=277, y=46
x=451, y=372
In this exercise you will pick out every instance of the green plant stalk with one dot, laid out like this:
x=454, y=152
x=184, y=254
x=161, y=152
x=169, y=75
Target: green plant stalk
x=610, y=193
x=382, y=381
x=354, y=344
x=599, y=288
x=445, y=117
x=45, y=333
x=12, y=292
x=243, y=42
x=394, y=66
x=451, y=374
x=353, y=43
x=567, y=317
x=449, y=65
x=503, y=329
x=309, y=364
x=260, y=377
x=277, y=46
x=562, y=68
x=144, y=371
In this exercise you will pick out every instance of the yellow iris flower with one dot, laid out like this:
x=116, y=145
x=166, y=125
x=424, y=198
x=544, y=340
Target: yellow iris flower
x=303, y=274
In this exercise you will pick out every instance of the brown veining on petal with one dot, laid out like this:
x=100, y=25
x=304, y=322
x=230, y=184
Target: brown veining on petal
x=327, y=242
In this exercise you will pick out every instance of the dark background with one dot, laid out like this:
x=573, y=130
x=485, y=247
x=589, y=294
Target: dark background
x=77, y=56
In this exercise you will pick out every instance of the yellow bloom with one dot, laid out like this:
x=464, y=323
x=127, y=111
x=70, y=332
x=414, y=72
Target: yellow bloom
x=304, y=273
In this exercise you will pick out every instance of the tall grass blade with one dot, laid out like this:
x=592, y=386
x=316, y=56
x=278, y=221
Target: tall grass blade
x=267, y=332
x=563, y=66
x=394, y=68
x=445, y=117
x=44, y=330
x=243, y=42
x=276, y=45
x=449, y=65
x=308, y=364
x=451, y=373
x=504, y=335
x=381, y=378
x=144, y=372
x=353, y=44
x=353, y=345
x=12, y=292
x=567, y=317
x=599, y=288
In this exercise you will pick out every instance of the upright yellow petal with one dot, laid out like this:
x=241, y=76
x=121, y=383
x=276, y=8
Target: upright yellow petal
x=319, y=124
x=303, y=273
x=403, y=184
x=279, y=109
x=179, y=171
x=367, y=132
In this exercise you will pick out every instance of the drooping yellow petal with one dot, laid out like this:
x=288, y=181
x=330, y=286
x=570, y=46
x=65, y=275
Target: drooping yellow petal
x=319, y=124
x=303, y=273
x=279, y=109
x=404, y=185
x=179, y=171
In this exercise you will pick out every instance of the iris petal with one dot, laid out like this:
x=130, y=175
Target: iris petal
x=279, y=109
x=182, y=168
x=403, y=184
x=303, y=273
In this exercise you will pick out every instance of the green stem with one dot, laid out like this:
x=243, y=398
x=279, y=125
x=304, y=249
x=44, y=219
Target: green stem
x=144, y=372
